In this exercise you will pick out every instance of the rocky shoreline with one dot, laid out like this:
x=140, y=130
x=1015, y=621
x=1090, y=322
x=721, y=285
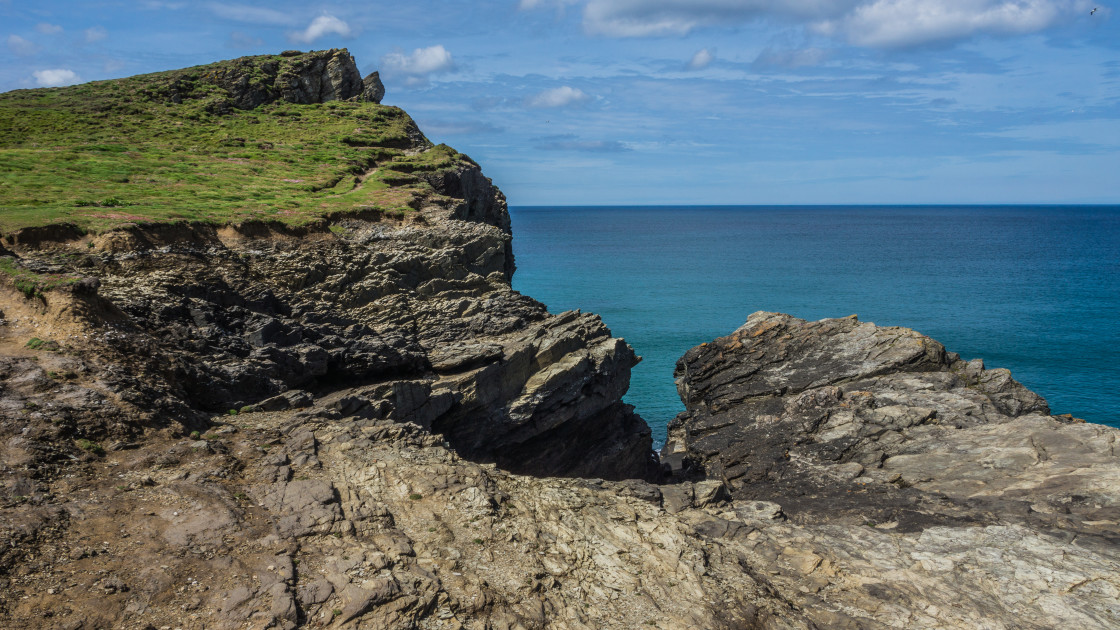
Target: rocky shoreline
x=933, y=492
x=358, y=423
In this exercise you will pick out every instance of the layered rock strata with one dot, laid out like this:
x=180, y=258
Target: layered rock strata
x=413, y=317
x=921, y=490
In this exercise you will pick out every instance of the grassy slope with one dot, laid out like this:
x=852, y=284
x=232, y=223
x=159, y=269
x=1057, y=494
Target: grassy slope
x=104, y=154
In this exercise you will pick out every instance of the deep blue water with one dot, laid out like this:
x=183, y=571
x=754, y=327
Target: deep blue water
x=1035, y=289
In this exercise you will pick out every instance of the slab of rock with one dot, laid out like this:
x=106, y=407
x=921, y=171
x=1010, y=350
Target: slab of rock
x=302, y=507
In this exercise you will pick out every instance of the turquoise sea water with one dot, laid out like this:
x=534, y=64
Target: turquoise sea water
x=1035, y=289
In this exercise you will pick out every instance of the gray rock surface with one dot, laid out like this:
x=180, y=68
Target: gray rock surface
x=921, y=490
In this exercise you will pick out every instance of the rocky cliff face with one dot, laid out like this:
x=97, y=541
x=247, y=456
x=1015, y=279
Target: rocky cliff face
x=920, y=490
x=413, y=318
x=313, y=77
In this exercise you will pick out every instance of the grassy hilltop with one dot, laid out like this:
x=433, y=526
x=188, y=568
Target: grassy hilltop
x=169, y=147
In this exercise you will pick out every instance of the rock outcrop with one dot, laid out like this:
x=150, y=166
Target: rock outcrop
x=411, y=319
x=296, y=77
x=921, y=490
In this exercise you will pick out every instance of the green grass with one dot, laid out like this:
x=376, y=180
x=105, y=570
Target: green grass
x=105, y=154
x=91, y=447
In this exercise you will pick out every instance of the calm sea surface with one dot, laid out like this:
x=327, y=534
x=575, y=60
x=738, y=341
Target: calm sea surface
x=1035, y=289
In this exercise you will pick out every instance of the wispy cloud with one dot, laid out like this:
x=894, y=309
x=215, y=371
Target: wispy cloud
x=526, y=5
x=55, y=78
x=460, y=127
x=320, y=26
x=571, y=143
x=95, y=34
x=563, y=96
x=648, y=18
x=48, y=29
x=702, y=59
x=21, y=46
x=251, y=15
x=869, y=23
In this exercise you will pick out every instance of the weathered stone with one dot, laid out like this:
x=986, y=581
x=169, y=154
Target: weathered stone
x=294, y=399
x=316, y=592
x=708, y=491
x=372, y=88
x=676, y=497
x=301, y=507
x=891, y=456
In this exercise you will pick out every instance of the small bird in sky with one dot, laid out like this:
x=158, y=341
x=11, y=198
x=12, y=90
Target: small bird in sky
x=1094, y=10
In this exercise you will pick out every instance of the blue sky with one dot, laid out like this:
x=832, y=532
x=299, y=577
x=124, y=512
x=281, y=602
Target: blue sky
x=587, y=102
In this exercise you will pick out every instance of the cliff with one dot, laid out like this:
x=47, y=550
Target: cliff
x=402, y=313
x=261, y=366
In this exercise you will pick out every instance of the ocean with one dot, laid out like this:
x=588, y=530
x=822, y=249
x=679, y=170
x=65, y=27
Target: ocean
x=1035, y=289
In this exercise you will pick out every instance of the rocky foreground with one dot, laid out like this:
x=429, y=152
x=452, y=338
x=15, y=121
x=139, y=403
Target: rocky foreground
x=355, y=422
x=918, y=489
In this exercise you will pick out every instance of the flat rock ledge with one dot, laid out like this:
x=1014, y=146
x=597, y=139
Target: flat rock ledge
x=919, y=489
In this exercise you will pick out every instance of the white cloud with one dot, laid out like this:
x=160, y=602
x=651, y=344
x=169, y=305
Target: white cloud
x=251, y=15
x=96, y=34
x=55, y=78
x=870, y=23
x=320, y=26
x=901, y=23
x=558, y=97
x=48, y=29
x=567, y=143
x=646, y=18
x=422, y=61
x=702, y=59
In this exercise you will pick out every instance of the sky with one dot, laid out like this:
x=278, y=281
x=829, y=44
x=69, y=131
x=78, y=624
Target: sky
x=635, y=102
